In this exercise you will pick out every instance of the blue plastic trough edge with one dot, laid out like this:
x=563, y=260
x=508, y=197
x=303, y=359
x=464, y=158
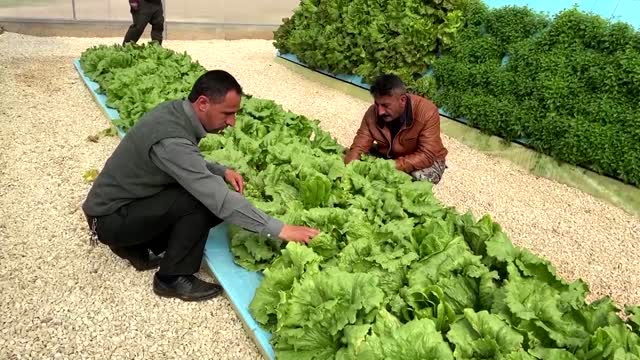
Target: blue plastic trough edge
x=239, y=283
x=100, y=98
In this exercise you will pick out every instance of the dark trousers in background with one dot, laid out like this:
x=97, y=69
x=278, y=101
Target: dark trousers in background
x=149, y=12
x=172, y=221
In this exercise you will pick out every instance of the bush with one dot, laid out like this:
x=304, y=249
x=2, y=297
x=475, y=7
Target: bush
x=371, y=37
x=570, y=85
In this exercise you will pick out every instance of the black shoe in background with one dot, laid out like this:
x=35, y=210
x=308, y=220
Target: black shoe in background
x=139, y=257
x=186, y=287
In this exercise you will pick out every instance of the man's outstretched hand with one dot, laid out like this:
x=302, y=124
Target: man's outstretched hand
x=234, y=179
x=297, y=233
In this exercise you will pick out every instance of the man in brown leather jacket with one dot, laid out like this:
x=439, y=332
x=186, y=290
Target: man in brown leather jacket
x=402, y=127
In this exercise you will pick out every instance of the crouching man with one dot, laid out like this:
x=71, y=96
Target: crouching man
x=157, y=194
x=402, y=127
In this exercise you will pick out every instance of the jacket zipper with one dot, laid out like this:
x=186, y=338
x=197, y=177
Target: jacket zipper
x=394, y=139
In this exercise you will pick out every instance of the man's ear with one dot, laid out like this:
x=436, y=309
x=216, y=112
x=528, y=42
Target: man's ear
x=201, y=103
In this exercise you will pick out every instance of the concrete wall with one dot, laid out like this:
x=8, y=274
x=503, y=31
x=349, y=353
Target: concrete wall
x=186, y=19
x=175, y=31
x=261, y=12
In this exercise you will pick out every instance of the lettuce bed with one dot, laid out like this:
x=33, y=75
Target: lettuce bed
x=566, y=84
x=394, y=273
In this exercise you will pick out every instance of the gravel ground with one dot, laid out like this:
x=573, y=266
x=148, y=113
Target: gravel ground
x=59, y=297
x=62, y=298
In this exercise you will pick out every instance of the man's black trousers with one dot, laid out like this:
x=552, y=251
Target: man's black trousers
x=149, y=12
x=172, y=221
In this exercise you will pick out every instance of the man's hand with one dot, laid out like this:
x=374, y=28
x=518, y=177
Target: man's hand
x=297, y=233
x=134, y=4
x=234, y=179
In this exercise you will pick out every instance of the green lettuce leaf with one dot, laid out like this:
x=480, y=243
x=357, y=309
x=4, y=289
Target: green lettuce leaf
x=417, y=339
x=279, y=278
x=253, y=251
x=612, y=342
x=445, y=283
x=633, y=312
x=483, y=336
x=332, y=299
x=325, y=303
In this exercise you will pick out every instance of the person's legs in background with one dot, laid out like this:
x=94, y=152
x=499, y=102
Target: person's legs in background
x=157, y=23
x=141, y=17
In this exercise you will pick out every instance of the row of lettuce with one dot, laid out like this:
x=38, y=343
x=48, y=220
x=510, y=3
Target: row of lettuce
x=394, y=273
x=567, y=84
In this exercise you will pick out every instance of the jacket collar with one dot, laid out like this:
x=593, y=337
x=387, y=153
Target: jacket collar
x=406, y=117
x=200, y=132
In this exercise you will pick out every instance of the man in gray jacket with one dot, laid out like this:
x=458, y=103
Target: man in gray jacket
x=157, y=193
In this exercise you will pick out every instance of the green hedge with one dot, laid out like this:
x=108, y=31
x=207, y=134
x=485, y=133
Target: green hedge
x=368, y=37
x=570, y=85
x=566, y=84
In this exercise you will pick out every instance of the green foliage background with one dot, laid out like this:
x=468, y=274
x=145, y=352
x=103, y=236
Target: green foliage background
x=369, y=37
x=567, y=85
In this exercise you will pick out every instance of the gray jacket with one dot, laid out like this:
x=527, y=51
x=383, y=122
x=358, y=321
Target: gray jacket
x=161, y=150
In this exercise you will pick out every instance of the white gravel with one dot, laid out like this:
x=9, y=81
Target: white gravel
x=61, y=298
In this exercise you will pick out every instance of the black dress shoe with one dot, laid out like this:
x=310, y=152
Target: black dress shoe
x=139, y=257
x=187, y=288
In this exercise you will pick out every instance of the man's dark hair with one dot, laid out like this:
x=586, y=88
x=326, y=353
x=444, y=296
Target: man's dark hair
x=215, y=85
x=386, y=85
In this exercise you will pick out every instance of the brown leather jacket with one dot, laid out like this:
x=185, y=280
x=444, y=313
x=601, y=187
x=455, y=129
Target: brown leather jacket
x=416, y=146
